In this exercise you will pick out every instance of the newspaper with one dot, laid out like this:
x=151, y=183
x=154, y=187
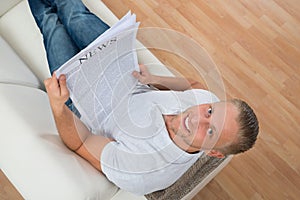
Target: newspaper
x=99, y=77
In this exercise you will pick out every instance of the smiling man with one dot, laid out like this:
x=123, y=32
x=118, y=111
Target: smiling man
x=160, y=134
x=149, y=142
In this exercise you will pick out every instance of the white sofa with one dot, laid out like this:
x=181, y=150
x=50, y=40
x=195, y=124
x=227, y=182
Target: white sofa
x=32, y=155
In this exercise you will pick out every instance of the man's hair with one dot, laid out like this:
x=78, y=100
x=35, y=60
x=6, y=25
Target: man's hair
x=248, y=129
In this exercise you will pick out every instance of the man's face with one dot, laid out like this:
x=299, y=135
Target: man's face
x=205, y=126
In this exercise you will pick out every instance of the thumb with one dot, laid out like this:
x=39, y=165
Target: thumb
x=63, y=86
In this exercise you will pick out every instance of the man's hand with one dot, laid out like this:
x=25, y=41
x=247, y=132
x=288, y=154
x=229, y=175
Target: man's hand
x=72, y=131
x=165, y=82
x=144, y=75
x=58, y=92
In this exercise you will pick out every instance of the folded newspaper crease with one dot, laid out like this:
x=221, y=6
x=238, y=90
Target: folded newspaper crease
x=99, y=77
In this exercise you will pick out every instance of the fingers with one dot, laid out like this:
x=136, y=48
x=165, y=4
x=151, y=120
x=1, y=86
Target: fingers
x=47, y=82
x=143, y=68
x=57, y=88
x=51, y=83
x=143, y=76
x=136, y=74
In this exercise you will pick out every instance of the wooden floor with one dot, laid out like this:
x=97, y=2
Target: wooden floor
x=256, y=47
x=7, y=190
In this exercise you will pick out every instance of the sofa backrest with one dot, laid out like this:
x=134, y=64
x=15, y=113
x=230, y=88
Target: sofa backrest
x=6, y=5
x=13, y=70
x=18, y=28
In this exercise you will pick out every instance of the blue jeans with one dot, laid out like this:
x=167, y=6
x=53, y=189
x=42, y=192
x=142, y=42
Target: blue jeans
x=67, y=27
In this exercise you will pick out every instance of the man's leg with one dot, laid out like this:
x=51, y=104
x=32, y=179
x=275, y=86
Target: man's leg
x=82, y=25
x=58, y=44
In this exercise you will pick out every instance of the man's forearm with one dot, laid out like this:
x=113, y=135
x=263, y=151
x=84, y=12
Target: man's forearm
x=71, y=130
x=175, y=83
x=170, y=83
x=165, y=82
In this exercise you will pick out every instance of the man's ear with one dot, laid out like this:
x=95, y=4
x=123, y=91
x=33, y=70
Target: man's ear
x=215, y=153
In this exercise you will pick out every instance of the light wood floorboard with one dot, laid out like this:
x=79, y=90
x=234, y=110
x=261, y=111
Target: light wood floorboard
x=7, y=190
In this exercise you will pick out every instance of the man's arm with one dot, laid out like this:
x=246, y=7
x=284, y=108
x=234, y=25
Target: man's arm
x=72, y=131
x=165, y=82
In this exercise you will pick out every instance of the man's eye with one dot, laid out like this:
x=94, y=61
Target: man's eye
x=209, y=111
x=210, y=131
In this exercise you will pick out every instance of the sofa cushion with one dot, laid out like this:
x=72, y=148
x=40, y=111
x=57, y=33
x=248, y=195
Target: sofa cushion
x=18, y=28
x=34, y=158
x=13, y=69
x=7, y=5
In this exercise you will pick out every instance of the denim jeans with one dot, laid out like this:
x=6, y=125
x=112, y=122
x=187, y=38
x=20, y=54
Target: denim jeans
x=67, y=27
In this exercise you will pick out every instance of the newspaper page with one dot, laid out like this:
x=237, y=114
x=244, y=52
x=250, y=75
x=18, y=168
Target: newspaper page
x=99, y=77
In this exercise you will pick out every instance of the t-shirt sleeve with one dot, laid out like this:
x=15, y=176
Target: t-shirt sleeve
x=116, y=164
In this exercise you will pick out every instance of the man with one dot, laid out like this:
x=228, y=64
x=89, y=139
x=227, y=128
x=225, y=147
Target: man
x=161, y=134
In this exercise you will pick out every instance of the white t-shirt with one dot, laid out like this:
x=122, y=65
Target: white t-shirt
x=144, y=159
